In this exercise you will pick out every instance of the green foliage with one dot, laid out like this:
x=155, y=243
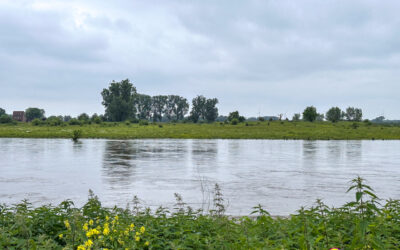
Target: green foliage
x=353, y=114
x=36, y=122
x=158, y=106
x=76, y=134
x=119, y=100
x=310, y=114
x=235, y=115
x=143, y=122
x=74, y=121
x=53, y=121
x=2, y=112
x=32, y=113
x=5, y=119
x=334, y=114
x=360, y=224
x=234, y=121
x=296, y=117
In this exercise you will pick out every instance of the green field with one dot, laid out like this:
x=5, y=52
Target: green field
x=360, y=224
x=250, y=130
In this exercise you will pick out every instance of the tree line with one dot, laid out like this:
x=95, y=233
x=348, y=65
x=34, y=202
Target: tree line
x=334, y=114
x=122, y=102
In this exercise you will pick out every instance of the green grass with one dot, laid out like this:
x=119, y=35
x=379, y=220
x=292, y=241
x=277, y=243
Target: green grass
x=360, y=224
x=253, y=130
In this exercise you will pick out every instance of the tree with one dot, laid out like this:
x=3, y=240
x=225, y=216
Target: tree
x=143, y=106
x=211, y=111
x=310, y=114
x=235, y=115
x=119, y=100
x=4, y=118
x=2, y=112
x=198, y=104
x=296, y=117
x=158, y=104
x=66, y=118
x=334, y=114
x=83, y=117
x=353, y=114
x=32, y=113
x=176, y=107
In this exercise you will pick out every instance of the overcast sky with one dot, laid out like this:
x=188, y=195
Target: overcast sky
x=266, y=56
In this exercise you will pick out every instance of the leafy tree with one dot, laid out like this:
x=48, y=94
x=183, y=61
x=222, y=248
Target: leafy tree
x=143, y=106
x=119, y=100
x=32, y=113
x=235, y=115
x=53, y=121
x=211, y=111
x=296, y=117
x=310, y=114
x=4, y=118
x=83, y=117
x=176, y=107
x=353, y=114
x=158, y=105
x=95, y=118
x=66, y=118
x=334, y=114
x=203, y=108
x=198, y=104
x=2, y=112
x=320, y=117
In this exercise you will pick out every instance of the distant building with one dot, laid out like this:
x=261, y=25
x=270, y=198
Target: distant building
x=19, y=116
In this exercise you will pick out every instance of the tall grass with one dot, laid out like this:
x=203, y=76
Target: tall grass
x=360, y=224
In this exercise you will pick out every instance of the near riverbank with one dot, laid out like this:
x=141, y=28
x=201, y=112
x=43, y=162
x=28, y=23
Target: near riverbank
x=249, y=130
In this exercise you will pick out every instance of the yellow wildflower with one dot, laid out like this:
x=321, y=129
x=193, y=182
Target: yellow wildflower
x=81, y=247
x=106, y=231
x=116, y=217
x=67, y=225
x=137, y=238
x=147, y=243
x=142, y=229
x=107, y=218
x=60, y=236
x=91, y=222
x=137, y=234
x=121, y=241
x=85, y=227
x=88, y=243
x=132, y=226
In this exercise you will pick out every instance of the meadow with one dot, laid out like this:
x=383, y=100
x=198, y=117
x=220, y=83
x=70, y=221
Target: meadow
x=217, y=130
x=364, y=223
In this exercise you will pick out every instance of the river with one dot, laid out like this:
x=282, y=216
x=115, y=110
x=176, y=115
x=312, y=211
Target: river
x=281, y=175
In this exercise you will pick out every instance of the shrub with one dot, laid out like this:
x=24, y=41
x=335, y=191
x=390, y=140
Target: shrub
x=5, y=119
x=36, y=122
x=74, y=121
x=76, y=134
x=143, y=122
x=234, y=121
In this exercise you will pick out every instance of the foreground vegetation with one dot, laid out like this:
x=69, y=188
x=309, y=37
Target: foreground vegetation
x=360, y=224
x=245, y=130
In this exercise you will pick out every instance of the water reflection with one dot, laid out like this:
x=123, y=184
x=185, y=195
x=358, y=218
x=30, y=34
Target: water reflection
x=281, y=175
x=118, y=164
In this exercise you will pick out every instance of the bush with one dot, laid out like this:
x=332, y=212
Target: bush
x=54, y=121
x=127, y=123
x=234, y=121
x=74, y=121
x=76, y=134
x=143, y=122
x=5, y=119
x=36, y=122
